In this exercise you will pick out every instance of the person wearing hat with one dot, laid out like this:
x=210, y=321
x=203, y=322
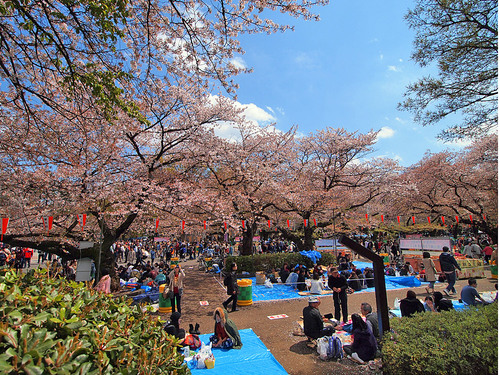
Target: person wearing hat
x=314, y=327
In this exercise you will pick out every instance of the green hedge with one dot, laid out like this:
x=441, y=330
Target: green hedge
x=265, y=262
x=51, y=326
x=450, y=342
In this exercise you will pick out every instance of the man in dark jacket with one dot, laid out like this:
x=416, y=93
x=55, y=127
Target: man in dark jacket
x=313, y=320
x=338, y=284
x=448, y=266
x=231, y=283
x=410, y=305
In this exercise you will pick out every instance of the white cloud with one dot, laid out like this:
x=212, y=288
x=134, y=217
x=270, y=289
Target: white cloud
x=460, y=143
x=385, y=132
x=393, y=68
x=256, y=114
x=280, y=110
x=238, y=63
x=306, y=61
x=255, y=117
x=381, y=56
x=401, y=121
x=400, y=60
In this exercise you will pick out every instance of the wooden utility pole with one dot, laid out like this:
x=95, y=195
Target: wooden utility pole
x=379, y=276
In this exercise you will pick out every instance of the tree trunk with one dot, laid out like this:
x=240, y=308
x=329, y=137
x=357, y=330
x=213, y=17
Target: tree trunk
x=247, y=240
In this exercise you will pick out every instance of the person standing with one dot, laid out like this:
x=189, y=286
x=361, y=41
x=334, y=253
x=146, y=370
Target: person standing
x=176, y=285
x=231, y=283
x=487, y=251
x=338, y=284
x=448, y=266
x=430, y=271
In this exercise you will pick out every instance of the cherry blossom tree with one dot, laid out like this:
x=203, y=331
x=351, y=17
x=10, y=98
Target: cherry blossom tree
x=328, y=179
x=102, y=104
x=451, y=184
x=242, y=176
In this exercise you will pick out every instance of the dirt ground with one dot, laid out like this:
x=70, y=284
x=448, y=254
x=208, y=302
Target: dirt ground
x=291, y=351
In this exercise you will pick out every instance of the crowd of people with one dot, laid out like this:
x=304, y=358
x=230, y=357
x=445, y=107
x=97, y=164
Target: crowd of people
x=146, y=262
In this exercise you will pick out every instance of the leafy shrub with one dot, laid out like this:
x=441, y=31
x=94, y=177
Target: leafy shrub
x=265, y=262
x=450, y=342
x=51, y=326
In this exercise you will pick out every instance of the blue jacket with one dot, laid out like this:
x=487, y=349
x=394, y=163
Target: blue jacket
x=448, y=262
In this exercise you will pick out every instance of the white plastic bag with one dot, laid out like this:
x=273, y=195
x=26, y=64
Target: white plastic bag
x=268, y=283
x=396, y=304
x=322, y=348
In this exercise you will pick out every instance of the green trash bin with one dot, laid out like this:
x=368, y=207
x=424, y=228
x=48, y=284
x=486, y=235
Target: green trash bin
x=494, y=271
x=164, y=305
x=245, y=293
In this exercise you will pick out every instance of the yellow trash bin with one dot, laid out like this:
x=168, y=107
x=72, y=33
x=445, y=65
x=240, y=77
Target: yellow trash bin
x=245, y=294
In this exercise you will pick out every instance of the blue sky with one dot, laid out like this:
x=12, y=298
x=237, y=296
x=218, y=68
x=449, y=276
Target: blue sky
x=348, y=70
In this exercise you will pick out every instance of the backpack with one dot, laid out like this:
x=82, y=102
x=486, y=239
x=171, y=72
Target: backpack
x=334, y=350
x=330, y=347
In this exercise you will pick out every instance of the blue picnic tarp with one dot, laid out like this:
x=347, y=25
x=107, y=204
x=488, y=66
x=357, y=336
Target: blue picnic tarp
x=311, y=254
x=252, y=359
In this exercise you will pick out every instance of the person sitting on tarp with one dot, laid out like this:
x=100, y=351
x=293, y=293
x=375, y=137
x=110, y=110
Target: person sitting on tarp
x=284, y=272
x=342, y=262
x=172, y=327
x=313, y=320
x=161, y=278
x=410, y=305
x=390, y=270
x=469, y=294
x=292, y=278
x=316, y=284
x=364, y=344
x=301, y=280
x=354, y=282
x=369, y=277
x=271, y=275
x=441, y=303
x=226, y=335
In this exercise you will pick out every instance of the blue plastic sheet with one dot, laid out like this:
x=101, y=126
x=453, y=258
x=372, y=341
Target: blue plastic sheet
x=280, y=291
x=311, y=254
x=252, y=359
x=456, y=305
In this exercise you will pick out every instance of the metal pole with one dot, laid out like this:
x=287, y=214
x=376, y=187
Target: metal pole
x=334, y=236
x=100, y=251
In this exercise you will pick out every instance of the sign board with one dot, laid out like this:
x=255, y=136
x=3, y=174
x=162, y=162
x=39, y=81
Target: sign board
x=161, y=239
x=83, y=269
x=85, y=245
x=416, y=246
x=328, y=245
x=281, y=316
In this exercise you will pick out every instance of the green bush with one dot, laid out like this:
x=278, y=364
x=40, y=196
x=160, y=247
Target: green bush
x=450, y=342
x=265, y=262
x=51, y=326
